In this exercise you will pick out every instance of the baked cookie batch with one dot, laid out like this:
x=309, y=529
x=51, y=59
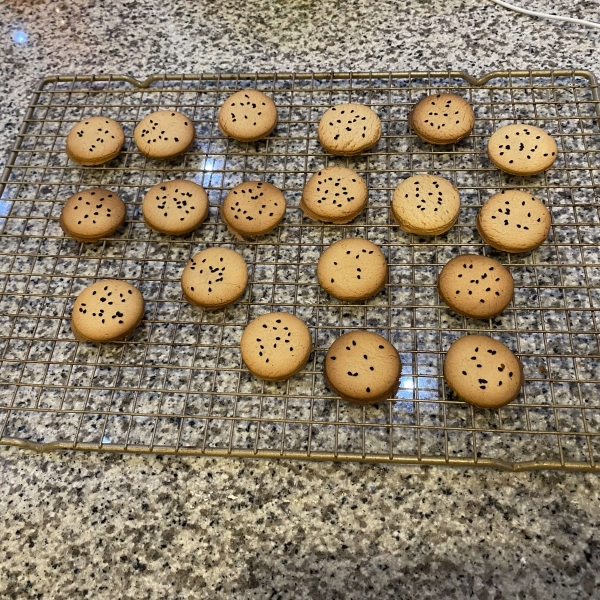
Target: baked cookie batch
x=360, y=366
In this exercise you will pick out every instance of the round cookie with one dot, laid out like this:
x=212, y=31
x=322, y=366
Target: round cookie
x=275, y=346
x=483, y=371
x=175, y=207
x=425, y=205
x=362, y=367
x=253, y=208
x=107, y=311
x=247, y=116
x=476, y=286
x=164, y=134
x=92, y=214
x=349, y=129
x=522, y=149
x=352, y=269
x=94, y=141
x=334, y=195
x=442, y=119
x=513, y=221
x=214, y=278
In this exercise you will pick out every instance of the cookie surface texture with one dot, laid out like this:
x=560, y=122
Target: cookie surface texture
x=214, y=278
x=248, y=116
x=92, y=214
x=95, y=141
x=175, y=207
x=425, y=205
x=522, y=149
x=334, y=195
x=253, y=208
x=107, y=311
x=514, y=221
x=483, y=371
x=476, y=286
x=442, y=119
x=275, y=346
x=164, y=134
x=363, y=367
x=352, y=269
x=349, y=129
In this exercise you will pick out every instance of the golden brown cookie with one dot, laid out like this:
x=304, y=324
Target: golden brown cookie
x=362, y=367
x=522, y=149
x=276, y=346
x=164, y=134
x=334, y=195
x=425, y=205
x=483, y=371
x=513, y=221
x=442, y=119
x=349, y=129
x=248, y=116
x=94, y=141
x=92, y=214
x=214, y=278
x=253, y=208
x=175, y=207
x=352, y=269
x=476, y=286
x=107, y=311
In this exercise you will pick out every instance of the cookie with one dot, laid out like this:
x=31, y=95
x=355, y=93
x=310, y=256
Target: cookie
x=513, y=221
x=349, y=129
x=92, y=214
x=362, y=367
x=253, y=208
x=247, y=116
x=164, y=134
x=94, y=141
x=275, y=346
x=442, y=119
x=334, y=195
x=352, y=269
x=425, y=205
x=483, y=371
x=522, y=149
x=175, y=207
x=476, y=286
x=107, y=311
x=214, y=278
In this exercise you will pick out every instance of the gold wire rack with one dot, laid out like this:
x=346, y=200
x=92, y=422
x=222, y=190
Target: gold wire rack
x=178, y=385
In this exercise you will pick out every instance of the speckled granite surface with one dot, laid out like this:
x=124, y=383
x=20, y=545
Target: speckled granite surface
x=80, y=525
x=130, y=527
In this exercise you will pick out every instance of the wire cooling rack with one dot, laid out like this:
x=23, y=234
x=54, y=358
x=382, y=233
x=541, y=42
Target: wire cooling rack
x=178, y=385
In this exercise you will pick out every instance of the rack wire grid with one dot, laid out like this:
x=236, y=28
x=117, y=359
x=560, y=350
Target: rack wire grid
x=178, y=384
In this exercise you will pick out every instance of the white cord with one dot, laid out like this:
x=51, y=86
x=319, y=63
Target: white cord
x=533, y=13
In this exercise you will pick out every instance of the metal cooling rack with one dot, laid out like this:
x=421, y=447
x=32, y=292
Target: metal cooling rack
x=178, y=385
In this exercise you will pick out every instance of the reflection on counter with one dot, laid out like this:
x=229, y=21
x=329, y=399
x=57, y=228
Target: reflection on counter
x=19, y=36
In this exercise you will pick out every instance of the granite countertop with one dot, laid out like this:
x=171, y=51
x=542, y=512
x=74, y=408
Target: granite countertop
x=76, y=525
